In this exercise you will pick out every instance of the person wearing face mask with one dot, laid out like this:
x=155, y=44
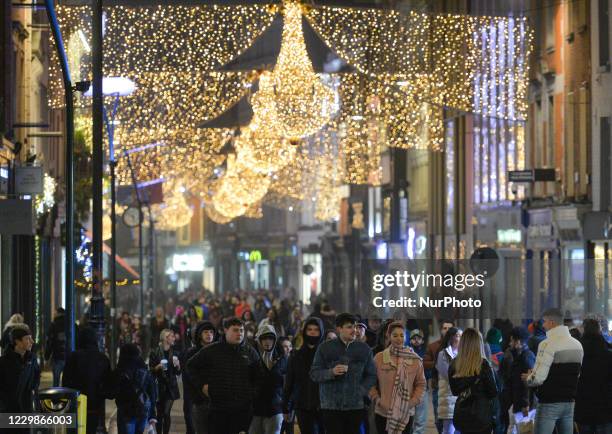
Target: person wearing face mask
x=401, y=384
x=301, y=393
x=267, y=409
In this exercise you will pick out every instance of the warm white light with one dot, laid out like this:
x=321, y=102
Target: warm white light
x=188, y=262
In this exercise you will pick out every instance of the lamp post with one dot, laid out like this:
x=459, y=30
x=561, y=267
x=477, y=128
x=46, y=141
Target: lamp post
x=114, y=87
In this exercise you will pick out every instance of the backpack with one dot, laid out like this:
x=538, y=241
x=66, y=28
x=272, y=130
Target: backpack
x=473, y=412
x=136, y=401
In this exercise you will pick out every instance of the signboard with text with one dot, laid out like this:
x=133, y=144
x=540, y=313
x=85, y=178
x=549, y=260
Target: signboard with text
x=28, y=180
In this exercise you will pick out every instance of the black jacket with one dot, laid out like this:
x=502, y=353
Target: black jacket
x=55, y=347
x=269, y=398
x=232, y=372
x=300, y=392
x=19, y=380
x=166, y=380
x=88, y=370
x=515, y=391
x=594, y=393
x=484, y=391
x=190, y=392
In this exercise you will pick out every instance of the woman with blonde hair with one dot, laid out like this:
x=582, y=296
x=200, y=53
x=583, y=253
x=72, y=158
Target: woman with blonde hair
x=165, y=365
x=473, y=382
x=401, y=383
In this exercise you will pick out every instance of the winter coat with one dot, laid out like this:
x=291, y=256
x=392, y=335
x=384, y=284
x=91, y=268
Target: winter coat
x=515, y=392
x=190, y=392
x=347, y=391
x=19, y=380
x=166, y=380
x=429, y=362
x=134, y=375
x=301, y=392
x=55, y=347
x=88, y=370
x=269, y=397
x=594, y=394
x=232, y=373
x=485, y=390
x=446, y=399
x=386, y=373
x=557, y=367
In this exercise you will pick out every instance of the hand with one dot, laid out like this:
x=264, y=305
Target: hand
x=205, y=390
x=526, y=375
x=158, y=367
x=340, y=369
x=525, y=411
x=373, y=394
x=177, y=364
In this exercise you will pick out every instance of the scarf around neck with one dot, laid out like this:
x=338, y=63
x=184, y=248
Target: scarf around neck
x=399, y=411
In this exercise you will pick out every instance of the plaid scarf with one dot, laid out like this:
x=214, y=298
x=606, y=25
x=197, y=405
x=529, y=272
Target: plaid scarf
x=399, y=411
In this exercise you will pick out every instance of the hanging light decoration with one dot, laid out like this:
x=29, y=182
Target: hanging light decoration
x=303, y=102
x=261, y=145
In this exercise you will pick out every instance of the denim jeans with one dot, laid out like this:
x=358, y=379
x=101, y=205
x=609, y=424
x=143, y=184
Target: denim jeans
x=420, y=416
x=559, y=414
x=266, y=425
x=58, y=368
x=130, y=425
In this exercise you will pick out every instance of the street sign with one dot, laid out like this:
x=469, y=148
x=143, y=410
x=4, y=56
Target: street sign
x=531, y=175
x=16, y=217
x=28, y=180
x=520, y=176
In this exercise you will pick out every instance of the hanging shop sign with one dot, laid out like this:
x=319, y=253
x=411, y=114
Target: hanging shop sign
x=16, y=217
x=255, y=256
x=28, y=180
x=531, y=175
x=509, y=236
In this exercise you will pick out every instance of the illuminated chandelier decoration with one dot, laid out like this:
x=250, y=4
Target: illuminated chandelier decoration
x=261, y=145
x=303, y=102
x=239, y=188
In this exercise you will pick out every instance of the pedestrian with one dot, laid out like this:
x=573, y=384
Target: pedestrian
x=593, y=411
x=166, y=367
x=555, y=375
x=538, y=334
x=345, y=371
x=401, y=384
x=429, y=363
x=446, y=400
x=19, y=372
x=301, y=393
x=228, y=372
x=472, y=380
x=494, y=339
x=88, y=370
x=285, y=344
x=138, y=334
x=55, y=347
x=125, y=329
x=136, y=392
x=196, y=419
x=5, y=341
x=268, y=408
x=417, y=343
x=330, y=335
x=361, y=332
x=158, y=323
x=518, y=359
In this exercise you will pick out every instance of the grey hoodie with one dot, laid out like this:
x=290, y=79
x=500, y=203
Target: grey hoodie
x=267, y=356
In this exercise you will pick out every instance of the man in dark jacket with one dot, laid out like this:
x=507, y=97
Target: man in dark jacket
x=518, y=359
x=228, y=373
x=55, y=348
x=196, y=419
x=345, y=371
x=88, y=370
x=19, y=373
x=268, y=408
x=301, y=394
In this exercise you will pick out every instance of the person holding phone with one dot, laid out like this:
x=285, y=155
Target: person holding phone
x=345, y=371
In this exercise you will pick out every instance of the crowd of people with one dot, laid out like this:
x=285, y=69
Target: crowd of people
x=260, y=363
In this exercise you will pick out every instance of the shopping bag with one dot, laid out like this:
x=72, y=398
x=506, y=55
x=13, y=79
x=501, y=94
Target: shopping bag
x=524, y=424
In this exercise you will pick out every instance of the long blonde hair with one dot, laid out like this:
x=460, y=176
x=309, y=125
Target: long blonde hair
x=471, y=352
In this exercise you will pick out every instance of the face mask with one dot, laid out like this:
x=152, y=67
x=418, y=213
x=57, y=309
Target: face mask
x=312, y=340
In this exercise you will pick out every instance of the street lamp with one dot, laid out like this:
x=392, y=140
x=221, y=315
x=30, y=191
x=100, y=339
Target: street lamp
x=115, y=87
